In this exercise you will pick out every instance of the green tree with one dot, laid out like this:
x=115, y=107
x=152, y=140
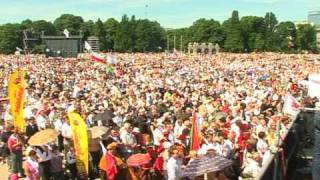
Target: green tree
x=70, y=22
x=232, y=28
x=42, y=25
x=100, y=32
x=87, y=29
x=111, y=26
x=253, y=30
x=271, y=38
x=207, y=31
x=124, y=36
x=307, y=37
x=10, y=37
x=149, y=36
x=286, y=32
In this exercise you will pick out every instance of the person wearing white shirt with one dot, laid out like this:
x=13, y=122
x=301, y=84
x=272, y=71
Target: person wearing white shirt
x=262, y=145
x=71, y=163
x=66, y=133
x=174, y=166
x=41, y=122
x=45, y=155
x=178, y=128
x=158, y=134
x=66, y=130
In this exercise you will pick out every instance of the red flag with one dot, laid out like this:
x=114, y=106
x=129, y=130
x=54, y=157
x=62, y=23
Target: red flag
x=109, y=165
x=98, y=58
x=195, y=145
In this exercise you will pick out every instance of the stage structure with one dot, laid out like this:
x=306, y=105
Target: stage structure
x=62, y=46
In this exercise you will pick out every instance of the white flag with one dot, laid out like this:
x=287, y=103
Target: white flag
x=314, y=85
x=291, y=105
x=66, y=32
x=19, y=49
x=112, y=59
x=87, y=46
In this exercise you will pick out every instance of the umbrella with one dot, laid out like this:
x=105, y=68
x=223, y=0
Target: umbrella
x=105, y=117
x=138, y=159
x=98, y=131
x=205, y=164
x=43, y=137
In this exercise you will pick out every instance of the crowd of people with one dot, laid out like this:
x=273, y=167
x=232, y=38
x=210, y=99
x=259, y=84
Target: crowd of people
x=148, y=102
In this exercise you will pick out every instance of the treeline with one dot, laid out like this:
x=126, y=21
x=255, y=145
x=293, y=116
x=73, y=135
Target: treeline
x=248, y=34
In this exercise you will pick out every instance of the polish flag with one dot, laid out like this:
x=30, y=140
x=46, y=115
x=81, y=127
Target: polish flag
x=93, y=55
x=98, y=58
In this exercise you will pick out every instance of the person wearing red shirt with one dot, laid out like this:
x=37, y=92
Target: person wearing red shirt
x=15, y=145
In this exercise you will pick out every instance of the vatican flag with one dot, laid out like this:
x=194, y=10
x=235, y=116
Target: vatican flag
x=80, y=141
x=16, y=89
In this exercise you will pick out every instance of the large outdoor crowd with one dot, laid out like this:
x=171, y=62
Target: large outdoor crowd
x=148, y=101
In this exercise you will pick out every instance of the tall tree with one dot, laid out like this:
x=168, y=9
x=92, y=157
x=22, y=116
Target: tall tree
x=111, y=26
x=253, y=32
x=100, y=32
x=287, y=36
x=42, y=25
x=271, y=38
x=207, y=31
x=307, y=37
x=124, y=37
x=149, y=36
x=70, y=22
x=87, y=29
x=234, y=41
x=10, y=38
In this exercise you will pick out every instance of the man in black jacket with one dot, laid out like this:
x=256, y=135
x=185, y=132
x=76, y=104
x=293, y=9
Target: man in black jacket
x=31, y=128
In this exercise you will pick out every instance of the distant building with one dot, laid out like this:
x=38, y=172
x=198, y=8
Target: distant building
x=314, y=17
x=94, y=43
x=297, y=23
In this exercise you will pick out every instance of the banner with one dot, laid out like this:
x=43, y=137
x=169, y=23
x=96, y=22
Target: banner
x=291, y=105
x=195, y=145
x=16, y=89
x=314, y=85
x=80, y=141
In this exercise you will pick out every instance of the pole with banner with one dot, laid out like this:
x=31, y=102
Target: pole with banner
x=16, y=90
x=80, y=141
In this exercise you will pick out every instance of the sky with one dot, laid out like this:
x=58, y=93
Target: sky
x=169, y=13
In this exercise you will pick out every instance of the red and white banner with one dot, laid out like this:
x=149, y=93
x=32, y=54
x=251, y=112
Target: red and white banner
x=98, y=57
x=291, y=105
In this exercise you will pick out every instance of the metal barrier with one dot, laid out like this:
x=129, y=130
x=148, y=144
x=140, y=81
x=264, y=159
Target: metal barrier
x=276, y=166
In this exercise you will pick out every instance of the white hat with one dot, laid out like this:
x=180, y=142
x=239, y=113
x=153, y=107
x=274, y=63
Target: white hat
x=136, y=130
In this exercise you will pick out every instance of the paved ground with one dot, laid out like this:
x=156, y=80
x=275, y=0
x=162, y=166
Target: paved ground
x=4, y=174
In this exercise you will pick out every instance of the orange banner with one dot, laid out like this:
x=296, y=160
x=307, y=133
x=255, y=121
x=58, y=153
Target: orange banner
x=16, y=89
x=80, y=140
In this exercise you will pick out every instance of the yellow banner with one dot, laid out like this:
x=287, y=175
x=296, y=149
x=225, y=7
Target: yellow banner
x=16, y=89
x=80, y=140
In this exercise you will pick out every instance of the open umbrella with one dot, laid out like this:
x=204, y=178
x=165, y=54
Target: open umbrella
x=205, y=164
x=43, y=137
x=97, y=131
x=105, y=117
x=138, y=159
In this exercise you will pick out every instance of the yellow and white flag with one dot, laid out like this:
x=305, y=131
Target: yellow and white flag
x=16, y=89
x=80, y=140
